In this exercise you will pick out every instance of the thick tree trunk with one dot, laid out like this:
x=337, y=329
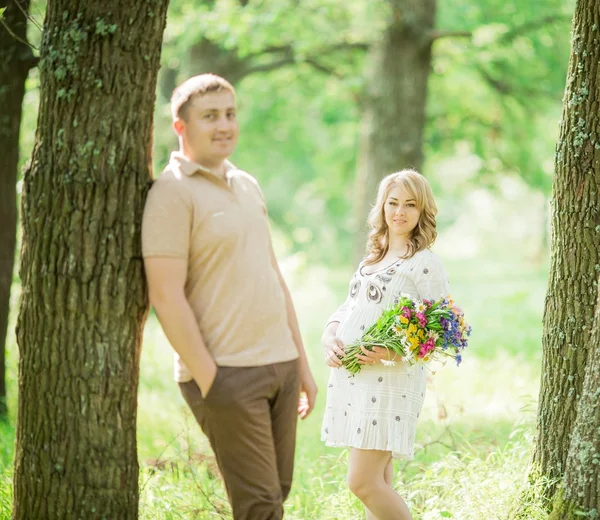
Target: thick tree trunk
x=17, y=59
x=84, y=299
x=395, y=101
x=572, y=289
x=581, y=492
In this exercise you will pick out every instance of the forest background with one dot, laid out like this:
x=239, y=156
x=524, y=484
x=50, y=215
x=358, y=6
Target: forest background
x=309, y=80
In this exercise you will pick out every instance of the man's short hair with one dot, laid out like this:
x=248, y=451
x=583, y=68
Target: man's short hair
x=196, y=86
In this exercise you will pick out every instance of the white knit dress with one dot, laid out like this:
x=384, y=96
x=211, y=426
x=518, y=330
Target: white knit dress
x=378, y=408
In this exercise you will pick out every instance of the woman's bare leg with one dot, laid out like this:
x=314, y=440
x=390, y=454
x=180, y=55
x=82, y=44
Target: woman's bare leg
x=388, y=476
x=367, y=471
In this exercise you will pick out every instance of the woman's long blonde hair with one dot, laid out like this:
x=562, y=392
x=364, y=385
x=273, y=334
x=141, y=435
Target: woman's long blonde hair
x=424, y=234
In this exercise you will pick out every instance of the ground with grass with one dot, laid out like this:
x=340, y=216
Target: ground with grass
x=474, y=439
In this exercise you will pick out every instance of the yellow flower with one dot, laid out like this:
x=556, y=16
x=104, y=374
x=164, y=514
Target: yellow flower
x=421, y=334
x=412, y=329
x=414, y=341
x=403, y=320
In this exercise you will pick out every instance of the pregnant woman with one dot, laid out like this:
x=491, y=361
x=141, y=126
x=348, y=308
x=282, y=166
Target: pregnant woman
x=375, y=411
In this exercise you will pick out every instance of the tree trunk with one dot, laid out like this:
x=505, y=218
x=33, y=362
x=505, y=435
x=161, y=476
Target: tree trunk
x=202, y=57
x=394, y=103
x=581, y=492
x=207, y=56
x=84, y=297
x=575, y=259
x=17, y=59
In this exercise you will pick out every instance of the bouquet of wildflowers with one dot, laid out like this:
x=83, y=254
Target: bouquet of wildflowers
x=418, y=331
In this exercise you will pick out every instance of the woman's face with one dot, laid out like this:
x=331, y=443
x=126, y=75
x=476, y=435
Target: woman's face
x=401, y=212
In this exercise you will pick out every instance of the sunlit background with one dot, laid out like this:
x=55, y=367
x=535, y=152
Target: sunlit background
x=493, y=114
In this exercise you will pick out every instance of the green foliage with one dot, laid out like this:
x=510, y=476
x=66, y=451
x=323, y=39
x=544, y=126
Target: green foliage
x=493, y=110
x=493, y=107
x=260, y=25
x=495, y=99
x=500, y=94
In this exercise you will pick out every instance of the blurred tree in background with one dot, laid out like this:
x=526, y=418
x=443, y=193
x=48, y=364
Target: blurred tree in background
x=17, y=59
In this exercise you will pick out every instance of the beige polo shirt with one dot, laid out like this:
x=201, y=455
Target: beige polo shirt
x=221, y=228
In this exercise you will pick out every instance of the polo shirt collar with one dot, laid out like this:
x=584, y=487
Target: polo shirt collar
x=183, y=164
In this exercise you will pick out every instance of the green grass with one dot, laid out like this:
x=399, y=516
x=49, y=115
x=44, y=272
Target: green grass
x=6, y=456
x=473, y=441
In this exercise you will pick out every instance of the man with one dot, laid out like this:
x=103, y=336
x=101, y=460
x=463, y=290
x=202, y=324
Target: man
x=217, y=290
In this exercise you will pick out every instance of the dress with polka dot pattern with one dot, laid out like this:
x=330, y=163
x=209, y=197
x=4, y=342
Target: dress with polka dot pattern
x=378, y=408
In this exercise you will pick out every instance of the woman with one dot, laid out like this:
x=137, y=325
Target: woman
x=375, y=412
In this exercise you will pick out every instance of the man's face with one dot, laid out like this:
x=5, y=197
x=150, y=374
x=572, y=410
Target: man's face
x=210, y=129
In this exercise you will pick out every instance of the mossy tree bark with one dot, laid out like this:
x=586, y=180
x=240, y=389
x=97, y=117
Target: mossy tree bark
x=17, y=59
x=580, y=494
x=571, y=299
x=84, y=299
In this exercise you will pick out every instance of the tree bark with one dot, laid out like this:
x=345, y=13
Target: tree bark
x=84, y=298
x=581, y=492
x=17, y=59
x=575, y=260
x=394, y=104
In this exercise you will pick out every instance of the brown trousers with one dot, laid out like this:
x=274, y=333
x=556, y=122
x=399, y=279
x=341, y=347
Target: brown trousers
x=249, y=417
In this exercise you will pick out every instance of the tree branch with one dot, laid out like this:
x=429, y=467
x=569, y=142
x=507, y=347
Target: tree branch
x=510, y=35
x=345, y=46
x=289, y=49
x=498, y=85
x=288, y=58
x=532, y=26
x=438, y=35
x=266, y=67
x=20, y=40
x=275, y=49
x=323, y=68
x=504, y=88
x=27, y=15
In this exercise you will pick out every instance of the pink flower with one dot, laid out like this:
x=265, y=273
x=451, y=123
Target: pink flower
x=430, y=345
x=406, y=312
x=422, y=319
x=427, y=347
